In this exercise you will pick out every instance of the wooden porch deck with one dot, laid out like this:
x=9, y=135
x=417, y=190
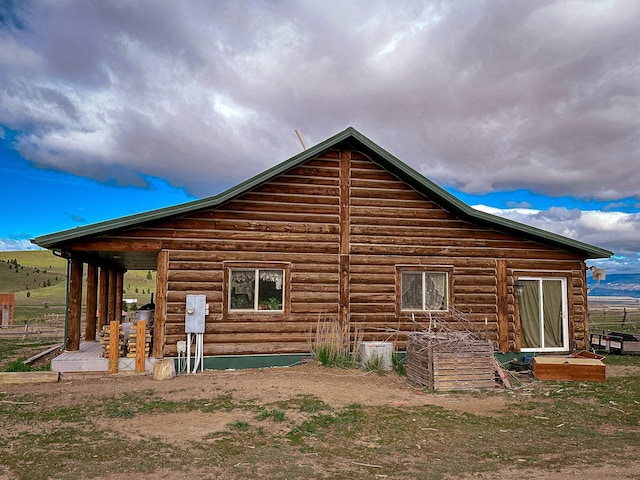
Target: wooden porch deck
x=89, y=359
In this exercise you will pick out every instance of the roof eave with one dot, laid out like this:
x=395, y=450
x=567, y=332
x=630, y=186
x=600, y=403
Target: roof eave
x=466, y=212
x=56, y=239
x=443, y=198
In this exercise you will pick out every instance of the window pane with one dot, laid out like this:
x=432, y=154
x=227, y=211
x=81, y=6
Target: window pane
x=411, y=291
x=242, y=289
x=270, y=289
x=529, y=304
x=435, y=294
x=552, y=312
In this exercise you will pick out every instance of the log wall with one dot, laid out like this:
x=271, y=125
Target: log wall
x=392, y=224
x=297, y=222
x=291, y=223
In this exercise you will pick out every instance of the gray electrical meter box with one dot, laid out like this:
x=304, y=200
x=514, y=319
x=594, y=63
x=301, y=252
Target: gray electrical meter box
x=195, y=313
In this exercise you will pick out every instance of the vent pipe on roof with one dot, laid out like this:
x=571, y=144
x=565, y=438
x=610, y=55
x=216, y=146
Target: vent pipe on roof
x=299, y=134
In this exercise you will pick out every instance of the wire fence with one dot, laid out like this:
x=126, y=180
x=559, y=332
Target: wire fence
x=619, y=319
x=51, y=326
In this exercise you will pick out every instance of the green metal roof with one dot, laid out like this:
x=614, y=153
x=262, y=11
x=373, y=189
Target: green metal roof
x=384, y=158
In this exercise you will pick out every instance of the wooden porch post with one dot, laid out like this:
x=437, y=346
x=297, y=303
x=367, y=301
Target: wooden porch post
x=74, y=309
x=92, y=303
x=119, y=288
x=103, y=294
x=112, y=317
x=162, y=268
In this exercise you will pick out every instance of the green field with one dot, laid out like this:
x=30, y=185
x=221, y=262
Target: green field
x=38, y=279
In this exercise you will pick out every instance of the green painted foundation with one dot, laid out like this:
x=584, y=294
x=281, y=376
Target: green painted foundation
x=507, y=357
x=241, y=362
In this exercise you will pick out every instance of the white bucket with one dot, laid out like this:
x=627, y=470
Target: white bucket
x=369, y=351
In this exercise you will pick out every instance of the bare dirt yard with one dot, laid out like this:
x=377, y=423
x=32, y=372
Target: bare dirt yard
x=332, y=423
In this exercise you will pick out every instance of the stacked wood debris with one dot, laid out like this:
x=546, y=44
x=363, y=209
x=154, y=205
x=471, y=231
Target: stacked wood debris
x=450, y=354
x=105, y=340
x=450, y=361
x=133, y=343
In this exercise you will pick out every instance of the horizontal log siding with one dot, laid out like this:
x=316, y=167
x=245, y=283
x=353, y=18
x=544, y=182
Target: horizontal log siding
x=292, y=219
x=391, y=225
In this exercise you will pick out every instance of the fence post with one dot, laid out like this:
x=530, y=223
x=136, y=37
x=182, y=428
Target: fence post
x=114, y=346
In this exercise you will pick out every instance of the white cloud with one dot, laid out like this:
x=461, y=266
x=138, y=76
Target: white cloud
x=10, y=245
x=615, y=231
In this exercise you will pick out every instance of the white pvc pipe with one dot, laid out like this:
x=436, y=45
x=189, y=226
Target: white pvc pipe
x=188, y=352
x=199, y=361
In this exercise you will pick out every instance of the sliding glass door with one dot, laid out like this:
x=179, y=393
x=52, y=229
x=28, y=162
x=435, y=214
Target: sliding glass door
x=544, y=319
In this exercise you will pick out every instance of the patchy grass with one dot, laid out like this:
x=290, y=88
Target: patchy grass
x=20, y=366
x=16, y=350
x=275, y=414
x=374, y=364
x=399, y=363
x=547, y=426
x=239, y=425
x=311, y=404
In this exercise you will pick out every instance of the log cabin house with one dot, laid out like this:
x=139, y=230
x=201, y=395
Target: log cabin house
x=343, y=230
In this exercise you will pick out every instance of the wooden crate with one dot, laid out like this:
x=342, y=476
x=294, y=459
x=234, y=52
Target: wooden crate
x=443, y=365
x=569, y=368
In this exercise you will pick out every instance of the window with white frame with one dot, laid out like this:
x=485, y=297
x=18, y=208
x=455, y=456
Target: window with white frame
x=256, y=289
x=424, y=291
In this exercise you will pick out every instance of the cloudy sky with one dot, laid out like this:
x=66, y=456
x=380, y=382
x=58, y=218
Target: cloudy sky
x=529, y=110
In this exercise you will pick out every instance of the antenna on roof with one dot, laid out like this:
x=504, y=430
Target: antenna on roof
x=299, y=134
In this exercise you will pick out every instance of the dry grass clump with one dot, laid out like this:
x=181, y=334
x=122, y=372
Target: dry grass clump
x=331, y=343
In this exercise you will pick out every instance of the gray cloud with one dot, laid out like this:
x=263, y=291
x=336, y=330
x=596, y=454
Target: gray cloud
x=477, y=95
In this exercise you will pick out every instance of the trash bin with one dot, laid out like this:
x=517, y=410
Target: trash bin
x=147, y=313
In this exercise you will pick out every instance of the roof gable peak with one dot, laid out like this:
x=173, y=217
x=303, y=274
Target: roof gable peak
x=378, y=154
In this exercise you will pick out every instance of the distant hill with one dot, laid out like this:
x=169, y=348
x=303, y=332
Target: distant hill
x=617, y=284
x=31, y=271
x=38, y=279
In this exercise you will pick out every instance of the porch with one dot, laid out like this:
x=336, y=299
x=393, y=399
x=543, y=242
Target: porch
x=89, y=359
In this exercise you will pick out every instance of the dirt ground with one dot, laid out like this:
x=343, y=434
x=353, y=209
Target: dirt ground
x=337, y=388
